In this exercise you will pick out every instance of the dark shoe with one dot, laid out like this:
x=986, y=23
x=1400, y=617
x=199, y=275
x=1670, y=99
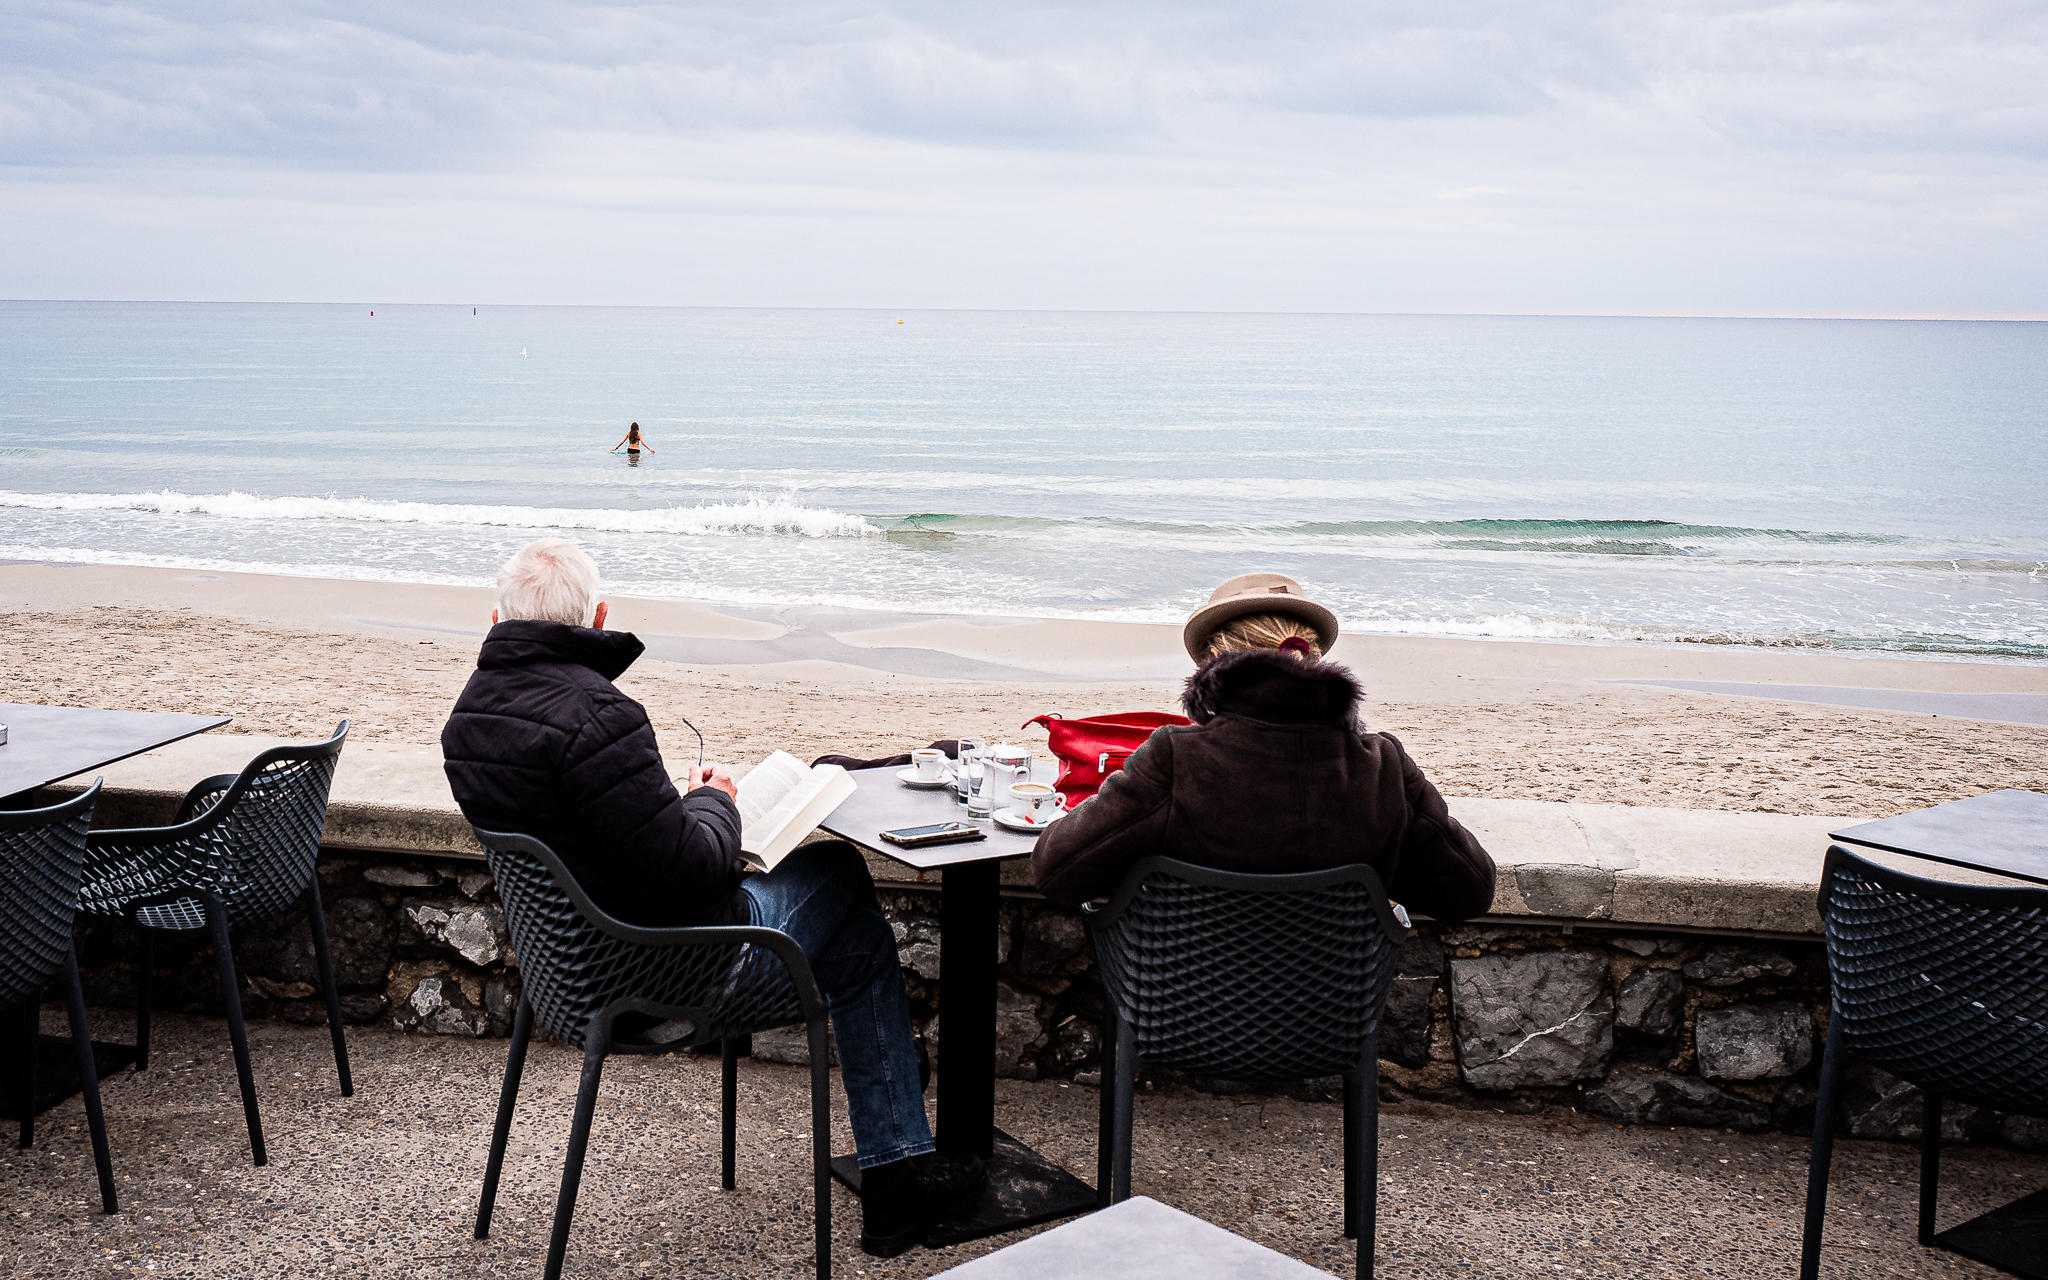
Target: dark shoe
x=903, y=1201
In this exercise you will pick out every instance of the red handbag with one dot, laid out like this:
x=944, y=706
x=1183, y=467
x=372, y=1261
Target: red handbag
x=1091, y=749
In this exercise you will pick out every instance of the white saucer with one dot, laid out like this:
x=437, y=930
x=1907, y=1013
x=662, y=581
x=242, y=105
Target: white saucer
x=915, y=782
x=1009, y=820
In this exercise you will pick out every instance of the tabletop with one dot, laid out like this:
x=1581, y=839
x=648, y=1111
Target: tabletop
x=48, y=744
x=881, y=802
x=2003, y=832
x=1137, y=1239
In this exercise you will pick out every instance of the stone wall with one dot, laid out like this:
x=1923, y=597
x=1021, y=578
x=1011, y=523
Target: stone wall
x=417, y=944
x=1640, y=1027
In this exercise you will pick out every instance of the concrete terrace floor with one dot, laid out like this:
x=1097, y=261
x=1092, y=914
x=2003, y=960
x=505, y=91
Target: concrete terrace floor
x=385, y=1183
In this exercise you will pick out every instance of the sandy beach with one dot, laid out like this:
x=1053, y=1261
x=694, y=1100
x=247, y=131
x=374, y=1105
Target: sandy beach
x=1485, y=718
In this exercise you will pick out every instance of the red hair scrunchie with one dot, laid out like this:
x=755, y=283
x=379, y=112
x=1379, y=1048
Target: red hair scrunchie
x=1295, y=644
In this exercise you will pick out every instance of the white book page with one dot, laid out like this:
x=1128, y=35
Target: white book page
x=786, y=806
x=766, y=785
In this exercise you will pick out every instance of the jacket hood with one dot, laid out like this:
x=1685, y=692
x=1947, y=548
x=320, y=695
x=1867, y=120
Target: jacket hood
x=525, y=643
x=1279, y=688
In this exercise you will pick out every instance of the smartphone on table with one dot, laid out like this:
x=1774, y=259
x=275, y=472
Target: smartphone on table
x=934, y=833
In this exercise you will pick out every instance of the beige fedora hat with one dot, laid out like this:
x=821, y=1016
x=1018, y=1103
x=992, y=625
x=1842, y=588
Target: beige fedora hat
x=1255, y=593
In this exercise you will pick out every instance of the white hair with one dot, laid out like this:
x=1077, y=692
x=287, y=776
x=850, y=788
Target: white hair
x=548, y=581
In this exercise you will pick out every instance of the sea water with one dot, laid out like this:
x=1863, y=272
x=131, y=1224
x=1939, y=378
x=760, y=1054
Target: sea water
x=1855, y=486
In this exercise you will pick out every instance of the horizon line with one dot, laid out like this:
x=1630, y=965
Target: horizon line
x=2028, y=317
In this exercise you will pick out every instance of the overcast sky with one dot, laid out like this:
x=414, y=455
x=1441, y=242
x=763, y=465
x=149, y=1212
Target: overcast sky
x=1726, y=157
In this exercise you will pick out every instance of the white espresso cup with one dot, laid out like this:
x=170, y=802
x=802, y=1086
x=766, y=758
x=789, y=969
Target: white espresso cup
x=1037, y=802
x=929, y=762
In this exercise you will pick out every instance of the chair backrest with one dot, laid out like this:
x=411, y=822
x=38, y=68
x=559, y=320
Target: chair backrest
x=251, y=838
x=42, y=854
x=579, y=966
x=1248, y=977
x=1944, y=985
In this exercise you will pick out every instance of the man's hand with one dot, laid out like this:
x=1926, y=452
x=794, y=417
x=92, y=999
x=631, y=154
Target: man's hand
x=715, y=777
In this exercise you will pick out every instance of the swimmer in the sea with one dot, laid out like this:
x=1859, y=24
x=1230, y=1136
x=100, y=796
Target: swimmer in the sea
x=633, y=442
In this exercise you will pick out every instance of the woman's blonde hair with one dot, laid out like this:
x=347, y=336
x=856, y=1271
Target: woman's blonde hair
x=1264, y=631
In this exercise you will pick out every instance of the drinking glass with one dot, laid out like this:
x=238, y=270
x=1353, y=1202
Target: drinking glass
x=967, y=777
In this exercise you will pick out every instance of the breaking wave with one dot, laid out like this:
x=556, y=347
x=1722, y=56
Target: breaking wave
x=748, y=515
x=1600, y=581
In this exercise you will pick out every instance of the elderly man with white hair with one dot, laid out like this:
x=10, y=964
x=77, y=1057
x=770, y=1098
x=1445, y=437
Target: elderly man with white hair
x=542, y=742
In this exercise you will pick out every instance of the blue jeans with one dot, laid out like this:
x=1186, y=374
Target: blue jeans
x=822, y=896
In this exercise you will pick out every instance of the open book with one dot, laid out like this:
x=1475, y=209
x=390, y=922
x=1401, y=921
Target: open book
x=781, y=802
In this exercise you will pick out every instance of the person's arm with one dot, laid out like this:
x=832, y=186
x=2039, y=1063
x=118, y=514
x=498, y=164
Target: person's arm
x=684, y=847
x=1087, y=853
x=619, y=445
x=1443, y=872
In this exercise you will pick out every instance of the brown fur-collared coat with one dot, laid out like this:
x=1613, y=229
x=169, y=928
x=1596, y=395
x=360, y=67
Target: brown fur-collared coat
x=1276, y=774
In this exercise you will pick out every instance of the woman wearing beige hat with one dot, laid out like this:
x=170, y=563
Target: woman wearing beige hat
x=1275, y=774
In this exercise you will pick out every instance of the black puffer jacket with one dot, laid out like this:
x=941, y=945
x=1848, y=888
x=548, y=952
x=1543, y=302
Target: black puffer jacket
x=1276, y=774
x=542, y=743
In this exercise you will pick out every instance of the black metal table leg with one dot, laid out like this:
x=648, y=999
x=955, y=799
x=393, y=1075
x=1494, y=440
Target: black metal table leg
x=967, y=1009
x=1024, y=1188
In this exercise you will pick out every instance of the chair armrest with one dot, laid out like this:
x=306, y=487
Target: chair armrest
x=190, y=804
x=61, y=812
x=784, y=946
x=794, y=961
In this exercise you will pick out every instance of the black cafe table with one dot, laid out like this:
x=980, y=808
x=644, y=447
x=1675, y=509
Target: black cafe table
x=46, y=745
x=1024, y=1188
x=2005, y=833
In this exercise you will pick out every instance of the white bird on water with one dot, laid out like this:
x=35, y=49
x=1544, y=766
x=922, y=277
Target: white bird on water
x=522, y=353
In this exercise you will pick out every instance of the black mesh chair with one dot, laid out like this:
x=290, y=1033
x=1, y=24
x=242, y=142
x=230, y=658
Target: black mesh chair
x=1247, y=977
x=242, y=848
x=41, y=854
x=1943, y=985
x=607, y=987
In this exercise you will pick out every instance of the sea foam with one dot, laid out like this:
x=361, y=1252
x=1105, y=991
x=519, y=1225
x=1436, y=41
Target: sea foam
x=754, y=514
x=1841, y=486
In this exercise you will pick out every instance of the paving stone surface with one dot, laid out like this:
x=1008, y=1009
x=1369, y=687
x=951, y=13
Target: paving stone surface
x=385, y=1183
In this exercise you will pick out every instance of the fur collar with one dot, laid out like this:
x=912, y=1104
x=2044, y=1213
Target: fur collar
x=1265, y=684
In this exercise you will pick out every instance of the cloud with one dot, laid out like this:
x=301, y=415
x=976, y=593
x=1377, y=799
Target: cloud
x=1817, y=75
x=384, y=86
x=359, y=87
x=1551, y=155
